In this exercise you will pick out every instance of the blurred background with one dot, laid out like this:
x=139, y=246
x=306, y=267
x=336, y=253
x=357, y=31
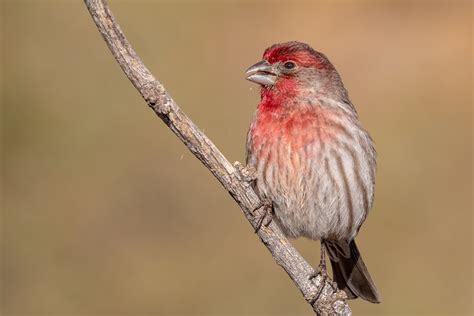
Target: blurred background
x=105, y=212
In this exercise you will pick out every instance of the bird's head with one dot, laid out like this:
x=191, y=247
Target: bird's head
x=295, y=69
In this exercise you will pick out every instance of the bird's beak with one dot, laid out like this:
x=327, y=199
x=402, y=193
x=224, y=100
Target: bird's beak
x=261, y=73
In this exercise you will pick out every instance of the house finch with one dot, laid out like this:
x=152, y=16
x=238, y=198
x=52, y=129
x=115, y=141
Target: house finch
x=313, y=159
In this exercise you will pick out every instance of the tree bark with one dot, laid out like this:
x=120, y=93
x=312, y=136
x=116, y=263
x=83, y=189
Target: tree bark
x=319, y=292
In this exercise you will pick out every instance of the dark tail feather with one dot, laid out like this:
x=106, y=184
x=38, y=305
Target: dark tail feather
x=350, y=272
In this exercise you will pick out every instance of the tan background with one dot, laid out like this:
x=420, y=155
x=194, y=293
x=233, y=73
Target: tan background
x=106, y=213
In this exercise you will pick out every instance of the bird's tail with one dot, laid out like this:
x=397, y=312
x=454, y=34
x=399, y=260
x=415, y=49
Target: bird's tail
x=350, y=272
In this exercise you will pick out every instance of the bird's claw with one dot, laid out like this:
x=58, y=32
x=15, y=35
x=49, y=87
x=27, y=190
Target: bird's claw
x=264, y=218
x=247, y=173
x=320, y=270
x=323, y=272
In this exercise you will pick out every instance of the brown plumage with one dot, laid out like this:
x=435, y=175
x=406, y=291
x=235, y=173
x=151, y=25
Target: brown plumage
x=313, y=158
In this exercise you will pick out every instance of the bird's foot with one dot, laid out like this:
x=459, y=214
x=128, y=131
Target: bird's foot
x=247, y=174
x=323, y=272
x=319, y=270
x=265, y=216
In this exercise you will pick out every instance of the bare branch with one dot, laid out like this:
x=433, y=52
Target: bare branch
x=319, y=292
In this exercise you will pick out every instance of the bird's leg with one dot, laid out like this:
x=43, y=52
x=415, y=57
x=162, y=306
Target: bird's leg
x=265, y=218
x=321, y=269
x=322, y=262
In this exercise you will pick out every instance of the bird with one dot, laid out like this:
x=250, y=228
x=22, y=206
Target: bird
x=313, y=159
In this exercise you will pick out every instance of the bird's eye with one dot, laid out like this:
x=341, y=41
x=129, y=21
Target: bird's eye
x=289, y=65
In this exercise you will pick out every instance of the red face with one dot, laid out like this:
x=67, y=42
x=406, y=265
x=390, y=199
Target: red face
x=300, y=54
x=286, y=61
x=291, y=72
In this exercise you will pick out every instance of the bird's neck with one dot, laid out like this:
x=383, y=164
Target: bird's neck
x=276, y=104
x=287, y=96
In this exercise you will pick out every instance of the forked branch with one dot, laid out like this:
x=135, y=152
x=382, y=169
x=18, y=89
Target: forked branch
x=318, y=292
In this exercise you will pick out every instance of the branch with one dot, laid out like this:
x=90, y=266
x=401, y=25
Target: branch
x=318, y=292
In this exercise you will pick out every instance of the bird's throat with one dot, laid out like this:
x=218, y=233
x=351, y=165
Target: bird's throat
x=280, y=95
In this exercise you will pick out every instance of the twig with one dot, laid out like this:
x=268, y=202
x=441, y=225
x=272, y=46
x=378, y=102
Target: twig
x=317, y=291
